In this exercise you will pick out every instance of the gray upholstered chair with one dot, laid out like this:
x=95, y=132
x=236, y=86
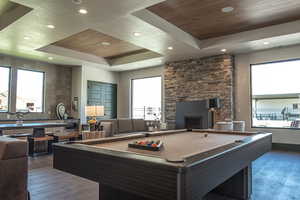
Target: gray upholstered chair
x=13, y=169
x=139, y=125
x=107, y=127
x=125, y=126
x=115, y=127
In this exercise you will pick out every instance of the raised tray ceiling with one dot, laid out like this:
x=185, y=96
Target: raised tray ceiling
x=90, y=41
x=204, y=18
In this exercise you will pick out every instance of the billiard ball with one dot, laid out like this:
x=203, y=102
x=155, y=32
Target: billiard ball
x=154, y=145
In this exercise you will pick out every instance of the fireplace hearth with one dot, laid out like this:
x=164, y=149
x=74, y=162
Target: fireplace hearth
x=192, y=115
x=193, y=122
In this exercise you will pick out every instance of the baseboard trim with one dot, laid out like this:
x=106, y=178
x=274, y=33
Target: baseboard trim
x=286, y=147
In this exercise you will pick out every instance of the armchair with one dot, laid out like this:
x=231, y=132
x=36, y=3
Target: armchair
x=13, y=169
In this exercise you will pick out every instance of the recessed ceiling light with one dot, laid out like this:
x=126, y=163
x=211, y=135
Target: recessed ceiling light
x=105, y=43
x=227, y=9
x=82, y=11
x=51, y=26
x=266, y=43
x=137, y=34
x=50, y=58
x=170, y=48
x=77, y=1
x=223, y=50
x=26, y=38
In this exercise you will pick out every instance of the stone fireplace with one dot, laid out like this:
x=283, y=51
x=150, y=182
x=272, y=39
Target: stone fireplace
x=198, y=80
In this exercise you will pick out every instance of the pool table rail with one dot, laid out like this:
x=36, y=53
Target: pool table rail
x=185, y=160
x=249, y=133
x=199, y=158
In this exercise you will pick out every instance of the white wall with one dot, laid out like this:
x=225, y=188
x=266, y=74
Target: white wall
x=242, y=88
x=124, y=90
x=85, y=73
x=91, y=73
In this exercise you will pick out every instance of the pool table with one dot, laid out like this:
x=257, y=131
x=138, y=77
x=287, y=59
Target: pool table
x=189, y=165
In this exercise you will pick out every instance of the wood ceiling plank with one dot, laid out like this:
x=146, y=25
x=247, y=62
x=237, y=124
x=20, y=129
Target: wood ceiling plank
x=5, y=5
x=10, y=12
x=204, y=19
x=89, y=41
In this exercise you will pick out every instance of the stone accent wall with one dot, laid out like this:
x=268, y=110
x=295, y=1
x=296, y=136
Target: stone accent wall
x=199, y=79
x=58, y=85
x=61, y=91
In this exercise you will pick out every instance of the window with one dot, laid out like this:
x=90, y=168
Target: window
x=146, y=98
x=4, y=88
x=30, y=91
x=276, y=94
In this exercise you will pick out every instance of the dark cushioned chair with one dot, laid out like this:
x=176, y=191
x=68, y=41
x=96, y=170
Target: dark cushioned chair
x=13, y=169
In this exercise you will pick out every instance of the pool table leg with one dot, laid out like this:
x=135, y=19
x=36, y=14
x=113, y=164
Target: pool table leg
x=109, y=193
x=238, y=186
x=30, y=146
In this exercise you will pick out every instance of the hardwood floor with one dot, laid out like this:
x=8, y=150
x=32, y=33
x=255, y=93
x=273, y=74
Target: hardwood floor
x=276, y=176
x=46, y=183
x=40, y=162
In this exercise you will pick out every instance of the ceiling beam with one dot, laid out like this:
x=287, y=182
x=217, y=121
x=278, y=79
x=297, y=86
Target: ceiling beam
x=167, y=27
x=139, y=55
x=253, y=35
x=56, y=50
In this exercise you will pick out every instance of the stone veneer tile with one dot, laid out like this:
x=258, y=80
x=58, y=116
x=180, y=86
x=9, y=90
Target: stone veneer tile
x=199, y=79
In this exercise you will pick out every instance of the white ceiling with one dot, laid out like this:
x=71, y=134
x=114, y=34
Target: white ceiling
x=120, y=19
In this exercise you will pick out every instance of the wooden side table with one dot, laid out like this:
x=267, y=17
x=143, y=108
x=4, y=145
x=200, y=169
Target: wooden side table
x=33, y=140
x=70, y=137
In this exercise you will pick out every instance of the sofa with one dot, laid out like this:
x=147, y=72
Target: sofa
x=13, y=169
x=120, y=126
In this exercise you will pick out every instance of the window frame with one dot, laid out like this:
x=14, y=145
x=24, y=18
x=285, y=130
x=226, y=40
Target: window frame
x=9, y=89
x=131, y=94
x=251, y=117
x=44, y=88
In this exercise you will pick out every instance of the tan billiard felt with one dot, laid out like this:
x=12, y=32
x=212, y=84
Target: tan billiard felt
x=178, y=145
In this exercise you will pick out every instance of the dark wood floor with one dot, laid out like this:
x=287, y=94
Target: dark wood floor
x=46, y=183
x=276, y=176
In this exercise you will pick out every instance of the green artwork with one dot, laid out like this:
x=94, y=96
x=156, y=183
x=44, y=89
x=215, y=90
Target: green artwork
x=103, y=94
